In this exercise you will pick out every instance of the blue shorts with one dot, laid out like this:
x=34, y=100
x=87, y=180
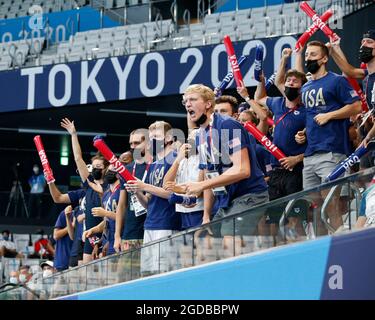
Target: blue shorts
x=191, y=219
x=87, y=249
x=87, y=246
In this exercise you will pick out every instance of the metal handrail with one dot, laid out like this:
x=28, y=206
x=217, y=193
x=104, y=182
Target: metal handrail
x=201, y=9
x=159, y=23
x=186, y=18
x=14, y=54
x=142, y=37
x=173, y=10
x=323, y=215
x=285, y=214
x=17, y=286
x=357, y=197
x=127, y=42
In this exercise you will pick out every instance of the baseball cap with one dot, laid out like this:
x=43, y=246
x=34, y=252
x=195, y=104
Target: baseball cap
x=47, y=263
x=369, y=34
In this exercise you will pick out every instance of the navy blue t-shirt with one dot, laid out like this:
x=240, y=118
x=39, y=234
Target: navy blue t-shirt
x=329, y=93
x=229, y=136
x=264, y=158
x=63, y=245
x=92, y=201
x=133, y=229
x=75, y=196
x=78, y=230
x=110, y=202
x=369, y=89
x=285, y=129
x=160, y=214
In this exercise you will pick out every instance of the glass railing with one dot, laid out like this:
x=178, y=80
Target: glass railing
x=331, y=207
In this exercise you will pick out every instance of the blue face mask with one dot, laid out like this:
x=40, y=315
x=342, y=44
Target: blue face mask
x=5, y=238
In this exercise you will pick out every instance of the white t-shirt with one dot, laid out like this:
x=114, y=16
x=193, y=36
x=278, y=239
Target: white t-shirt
x=188, y=171
x=8, y=244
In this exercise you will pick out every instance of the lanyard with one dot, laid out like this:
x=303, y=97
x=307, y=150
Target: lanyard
x=145, y=173
x=285, y=114
x=209, y=144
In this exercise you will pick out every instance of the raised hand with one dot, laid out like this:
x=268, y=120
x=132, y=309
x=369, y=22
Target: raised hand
x=68, y=126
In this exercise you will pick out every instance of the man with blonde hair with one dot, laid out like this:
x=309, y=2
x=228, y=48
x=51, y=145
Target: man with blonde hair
x=228, y=160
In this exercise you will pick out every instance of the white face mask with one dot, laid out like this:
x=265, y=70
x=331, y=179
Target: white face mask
x=13, y=280
x=47, y=273
x=36, y=170
x=22, y=278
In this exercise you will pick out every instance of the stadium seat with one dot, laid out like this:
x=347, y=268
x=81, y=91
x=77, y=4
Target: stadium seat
x=213, y=28
x=258, y=13
x=242, y=15
x=228, y=27
x=102, y=53
x=225, y=17
x=244, y=31
x=212, y=18
x=21, y=241
x=197, y=29
x=260, y=27
x=120, y=3
x=290, y=9
x=274, y=11
x=197, y=41
x=303, y=22
x=320, y=4
x=276, y=25
x=75, y=56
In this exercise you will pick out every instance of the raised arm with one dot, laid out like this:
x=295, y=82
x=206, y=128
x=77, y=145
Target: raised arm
x=339, y=57
x=81, y=165
x=57, y=196
x=260, y=94
x=68, y=213
x=261, y=112
x=299, y=61
x=280, y=74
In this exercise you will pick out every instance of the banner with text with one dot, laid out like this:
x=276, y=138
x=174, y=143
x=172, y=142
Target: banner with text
x=135, y=76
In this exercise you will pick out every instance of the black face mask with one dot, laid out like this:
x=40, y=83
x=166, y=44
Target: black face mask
x=291, y=93
x=110, y=177
x=365, y=54
x=157, y=146
x=202, y=119
x=312, y=66
x=97, y=173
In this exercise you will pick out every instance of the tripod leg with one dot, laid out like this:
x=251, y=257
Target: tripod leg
x=23, y=200
x=11, y=196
